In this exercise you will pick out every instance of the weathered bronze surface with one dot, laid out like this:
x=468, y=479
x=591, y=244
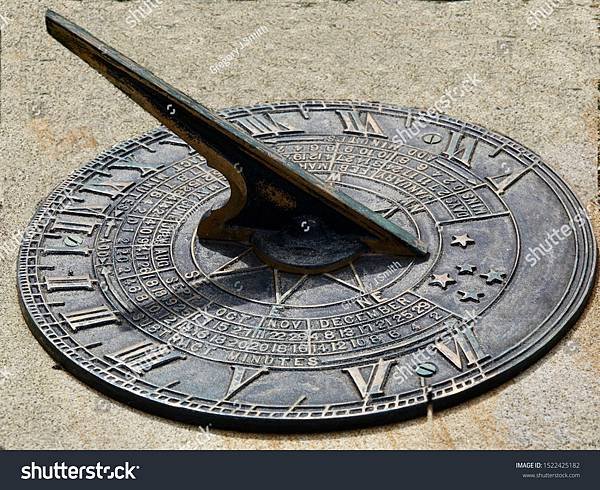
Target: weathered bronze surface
x=118, y=287
x=266, y=190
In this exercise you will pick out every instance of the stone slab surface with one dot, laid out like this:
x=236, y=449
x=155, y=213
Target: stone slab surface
x=538, y=85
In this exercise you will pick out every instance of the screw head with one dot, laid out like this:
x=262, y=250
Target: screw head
x=72, y=241
x=426, y=370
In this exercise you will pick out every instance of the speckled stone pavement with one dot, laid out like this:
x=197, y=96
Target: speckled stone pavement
x=537, y=85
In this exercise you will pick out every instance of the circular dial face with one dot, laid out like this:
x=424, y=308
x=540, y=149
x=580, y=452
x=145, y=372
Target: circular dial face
x=117, y=287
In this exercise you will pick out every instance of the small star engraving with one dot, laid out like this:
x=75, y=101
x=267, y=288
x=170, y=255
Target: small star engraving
x=493, y=276
x=441, y=280
x=466, y=269
x=470, y=295
x=463, y=240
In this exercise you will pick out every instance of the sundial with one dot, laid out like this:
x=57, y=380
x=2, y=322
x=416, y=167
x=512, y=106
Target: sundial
x=293, y=266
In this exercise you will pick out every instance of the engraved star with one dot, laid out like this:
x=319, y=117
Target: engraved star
x=462, y=240
x=493, y=276
x=470, y=295
x=441, y=280
x=466, y=269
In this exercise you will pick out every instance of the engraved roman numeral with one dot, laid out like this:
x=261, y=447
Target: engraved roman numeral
x=141, y=358
x=90, y=318
x=264, y=125
x=461, y=148
x=76, y=222
x=377, y=375
x=363, y=123
x=132, y=164
x=86, y=211
x=65, y=251
x=242, y=377
x=69, y=283
x=110, y=188
x=496, y=151
x=74, y=226
x=504, y=181
x=466, y=342
x=177, y=143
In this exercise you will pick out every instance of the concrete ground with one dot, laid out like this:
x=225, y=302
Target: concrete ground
x=539, y=85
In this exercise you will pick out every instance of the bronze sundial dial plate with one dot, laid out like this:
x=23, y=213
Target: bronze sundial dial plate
x=117, y=287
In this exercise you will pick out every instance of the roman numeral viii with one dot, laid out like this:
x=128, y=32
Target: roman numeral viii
x=90, y=318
